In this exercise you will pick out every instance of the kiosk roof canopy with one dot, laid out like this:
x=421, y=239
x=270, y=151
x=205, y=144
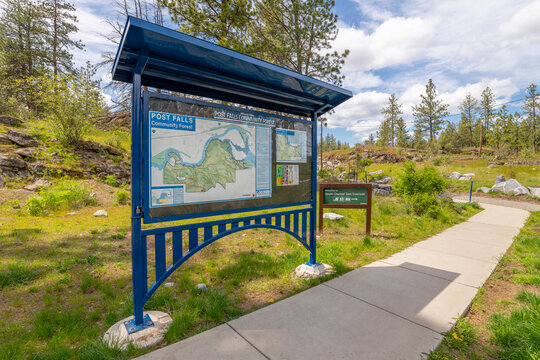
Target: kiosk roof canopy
x=179, y=62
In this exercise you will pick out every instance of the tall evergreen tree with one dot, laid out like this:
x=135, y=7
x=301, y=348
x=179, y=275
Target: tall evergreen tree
x=469, y=109
x=60, y=29
x=486, y=108
x=24, y=28
x=402, y=137
x=530, y=107
x=430, y=112
x=297, y=34
x=384, y=134
x=224, y=22
x=392, y=114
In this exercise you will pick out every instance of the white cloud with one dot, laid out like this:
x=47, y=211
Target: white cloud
x=396, y=41
x=359, y=80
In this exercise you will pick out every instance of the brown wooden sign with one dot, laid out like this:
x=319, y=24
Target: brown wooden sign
x=348, y=196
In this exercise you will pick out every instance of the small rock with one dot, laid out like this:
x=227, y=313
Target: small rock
x=500, y=179
x=4, y=140
x=378, y=172
x=469, y=174
x=169, y=284
x=454, y=175
x=333, y=216
x=483, y=189
x=9, y=120
x=22, y=139
x=381, y=192
x=38, y=169
x=465, y=178
x=26, y=152
x=38, y=184
x=71, y=213
x=202, y=287
x=101, y=213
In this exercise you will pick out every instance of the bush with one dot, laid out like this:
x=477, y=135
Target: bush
x=111, y=180
x=419, y=188
x=122, y=197
x=65, y=195
x=324, y=174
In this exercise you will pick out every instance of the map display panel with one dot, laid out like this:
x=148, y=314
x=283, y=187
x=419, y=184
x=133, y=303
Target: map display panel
x=198, y=160
x=291, y=145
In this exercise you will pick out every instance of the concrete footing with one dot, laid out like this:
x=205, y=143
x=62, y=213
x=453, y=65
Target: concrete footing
x=311, y=271
x=117, y=335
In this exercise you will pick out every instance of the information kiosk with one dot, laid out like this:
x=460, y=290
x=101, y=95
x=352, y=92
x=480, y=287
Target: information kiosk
x=193, y=157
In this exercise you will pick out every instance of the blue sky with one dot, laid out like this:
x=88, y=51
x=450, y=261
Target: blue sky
x=396, y=46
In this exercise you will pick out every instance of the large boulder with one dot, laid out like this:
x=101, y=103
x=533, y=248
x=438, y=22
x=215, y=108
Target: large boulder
x=9, y=120
x=13, y=166
x=454, y=175
x=510, y=187
x=535, y=191
x=22, y=139
x=500, y=179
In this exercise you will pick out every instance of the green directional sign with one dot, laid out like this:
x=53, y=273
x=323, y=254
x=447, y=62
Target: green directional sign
x=345, y=196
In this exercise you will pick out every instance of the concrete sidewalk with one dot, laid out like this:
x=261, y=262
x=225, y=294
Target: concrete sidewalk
x=396, y=308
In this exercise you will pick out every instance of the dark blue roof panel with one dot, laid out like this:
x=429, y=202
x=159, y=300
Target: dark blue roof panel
x=179, y=62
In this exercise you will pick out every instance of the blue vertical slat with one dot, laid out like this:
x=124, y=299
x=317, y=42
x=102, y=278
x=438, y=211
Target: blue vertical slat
x=193, y=238
x=288, y=222
x=258, y=221
x=278, y=220
x=247, y=222
x=295, y=223
x=207, y=233
x=234, y=225
x=304, y=225
x=160, y=255
x=268, y=220
x=222, y=228
x=177, y=245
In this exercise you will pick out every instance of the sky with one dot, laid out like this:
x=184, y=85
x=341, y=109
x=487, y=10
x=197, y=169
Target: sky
x=395, y=47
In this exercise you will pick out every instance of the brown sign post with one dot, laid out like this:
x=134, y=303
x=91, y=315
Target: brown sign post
x=345, y=196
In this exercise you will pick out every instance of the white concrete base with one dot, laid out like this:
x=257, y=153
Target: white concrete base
x=313, y=271
x=117, y=335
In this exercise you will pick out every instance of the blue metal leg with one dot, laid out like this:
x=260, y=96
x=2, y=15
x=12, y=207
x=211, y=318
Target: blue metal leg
x=313, y=212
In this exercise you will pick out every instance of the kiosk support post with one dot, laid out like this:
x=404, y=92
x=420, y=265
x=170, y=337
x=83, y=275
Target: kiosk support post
x=138, y=256
x=313, y=215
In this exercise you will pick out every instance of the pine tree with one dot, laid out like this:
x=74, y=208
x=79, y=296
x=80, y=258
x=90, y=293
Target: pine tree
x=402, y=137
x=24, y=28
x=297, y=35
x=468, y=115
x=224, y=22
x=391, y=114
x=430, y=112
x=60, y=29
x=486, y=107
x=384, y=134
x=530, y=107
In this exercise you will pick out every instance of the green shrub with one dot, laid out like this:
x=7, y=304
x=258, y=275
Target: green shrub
x=111, y=180
x=122, y=197
x=419, y=187
x=324, y=174
x=65, y=195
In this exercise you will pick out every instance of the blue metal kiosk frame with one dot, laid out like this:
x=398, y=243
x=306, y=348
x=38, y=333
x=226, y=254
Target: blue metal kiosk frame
x=153, y=56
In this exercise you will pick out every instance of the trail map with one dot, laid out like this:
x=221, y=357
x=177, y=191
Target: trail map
x=291, y=145
x=196, y=160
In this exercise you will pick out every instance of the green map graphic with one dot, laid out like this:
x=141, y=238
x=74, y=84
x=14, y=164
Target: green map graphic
x=218, y=167
x=285, y=151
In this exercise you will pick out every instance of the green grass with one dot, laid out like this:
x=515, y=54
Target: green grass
x=65, y=195
x=514, y=333
x=82, y=281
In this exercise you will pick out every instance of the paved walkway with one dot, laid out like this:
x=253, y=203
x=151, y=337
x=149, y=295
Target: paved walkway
x=396, y=308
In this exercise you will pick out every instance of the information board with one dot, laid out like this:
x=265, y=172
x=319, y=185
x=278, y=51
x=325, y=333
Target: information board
x=205, y=157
